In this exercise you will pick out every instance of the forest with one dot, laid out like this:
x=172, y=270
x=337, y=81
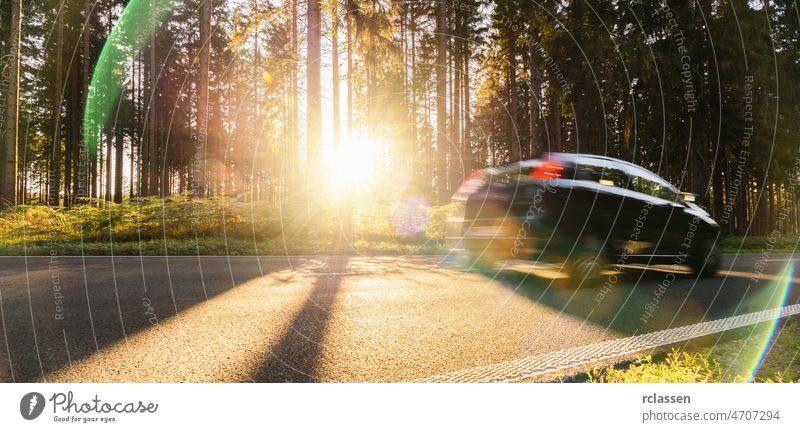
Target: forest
x=281, y=103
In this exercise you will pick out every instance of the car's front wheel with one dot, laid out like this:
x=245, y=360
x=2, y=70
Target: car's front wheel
x=705, y=260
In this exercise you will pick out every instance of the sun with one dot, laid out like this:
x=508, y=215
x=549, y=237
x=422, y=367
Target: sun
x=353, y=164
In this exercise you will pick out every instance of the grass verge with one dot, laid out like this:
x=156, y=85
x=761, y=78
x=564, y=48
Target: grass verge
x=220, y=226
x=721, y=362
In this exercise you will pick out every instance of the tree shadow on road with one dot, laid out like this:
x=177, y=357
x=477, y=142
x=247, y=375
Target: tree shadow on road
x=296, y=356
x=120, y=306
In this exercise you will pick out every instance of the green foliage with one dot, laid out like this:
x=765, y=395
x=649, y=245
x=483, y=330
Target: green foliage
x=687, y=367
x=226, y=226
x=34, y=224
x=677, y=367
x=785, y=243
x=180, y=226
x=780, y=362
x=778, y=378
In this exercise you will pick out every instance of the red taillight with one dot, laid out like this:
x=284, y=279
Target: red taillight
x=547, y=171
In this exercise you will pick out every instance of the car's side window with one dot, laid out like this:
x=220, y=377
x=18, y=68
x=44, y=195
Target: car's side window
x=645, y=186
x=603, y=175
x=646, y=183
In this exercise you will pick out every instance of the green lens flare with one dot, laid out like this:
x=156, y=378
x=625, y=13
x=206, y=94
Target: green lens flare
x=138, y=21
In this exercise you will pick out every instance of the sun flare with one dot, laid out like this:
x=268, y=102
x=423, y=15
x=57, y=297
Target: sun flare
x=353, y=164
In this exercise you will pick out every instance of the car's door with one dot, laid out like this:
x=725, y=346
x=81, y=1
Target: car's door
x=629, y=221
x=666, y=216
x=598, y=198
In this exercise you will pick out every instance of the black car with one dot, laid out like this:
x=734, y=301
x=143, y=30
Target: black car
x=588, y=212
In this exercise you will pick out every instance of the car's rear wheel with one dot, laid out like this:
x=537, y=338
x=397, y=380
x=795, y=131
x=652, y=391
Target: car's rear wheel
x=586, y=265
x=705, y=260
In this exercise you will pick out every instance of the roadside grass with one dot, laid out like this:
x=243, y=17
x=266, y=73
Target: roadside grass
x=782, y=243
x=781, y=362
x=711, y=364
x=221, y=226
x=676, y=367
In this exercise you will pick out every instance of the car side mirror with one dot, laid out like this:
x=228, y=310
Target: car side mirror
x=687, y=197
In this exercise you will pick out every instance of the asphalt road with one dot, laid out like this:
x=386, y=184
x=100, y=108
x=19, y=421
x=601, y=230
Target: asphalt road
x=274, y=319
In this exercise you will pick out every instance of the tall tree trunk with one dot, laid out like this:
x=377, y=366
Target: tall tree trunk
x=55, y=151
x=136, y=138
x=215, y=146
x=369, y=73
x=345, y=211
x=719, y=192
x=101, y=160
x=70, y=124
x=294, y=145
x=513, y=133
x=93, y=168
x=455, y=127
x=265, y=174
x=698, y=150
x=199, y=177
x=109, y=159
x=314, y=89
x=152, y=121
x=770, y=216
x=698, y=142
x=742, y=205
x=141, y=119
x=132, y=162
x=9, y=149
x=148, y=94
x=535, y=92
x=119, y=132
x=144, y=149
x=467, y=142
x=535, y=114
x=415, y=157
x=109, y=135
x=80, y=185
x=335, y=69
x=349, y=22
x=441, y=102
x=555, y=119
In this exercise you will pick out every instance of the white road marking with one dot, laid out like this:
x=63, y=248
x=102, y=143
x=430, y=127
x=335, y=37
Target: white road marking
x=66, y=345
x=542, y=364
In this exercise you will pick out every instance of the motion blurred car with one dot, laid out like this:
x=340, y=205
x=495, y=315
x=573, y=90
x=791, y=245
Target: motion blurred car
x=586, y=212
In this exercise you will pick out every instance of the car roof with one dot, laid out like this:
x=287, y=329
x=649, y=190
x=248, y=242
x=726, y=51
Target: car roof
x=579, y=158
x=568, y=157
x=574, y=157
